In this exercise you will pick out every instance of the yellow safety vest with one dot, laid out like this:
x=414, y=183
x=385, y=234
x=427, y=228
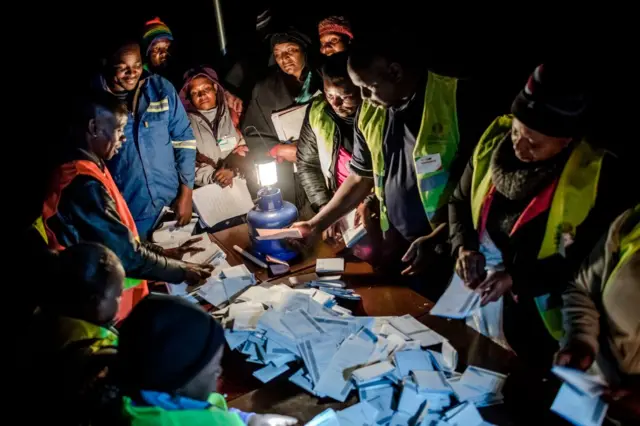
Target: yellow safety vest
x=324, y=129
x=436, y=144
x=573, y=199
x=38, y=225
x=629, y=244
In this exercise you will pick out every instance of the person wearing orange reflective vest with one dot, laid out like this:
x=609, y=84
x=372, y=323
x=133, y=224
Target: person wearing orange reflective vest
x=83, y=203
x=540, y=195
x=601, y=315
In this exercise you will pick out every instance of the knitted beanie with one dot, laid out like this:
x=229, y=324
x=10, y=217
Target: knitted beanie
x=154, y=30
x=550, y=103
x=335, y=24
x=164, y=343
x=290, y=36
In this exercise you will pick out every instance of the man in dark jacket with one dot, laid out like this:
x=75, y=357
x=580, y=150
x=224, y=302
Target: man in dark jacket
x=84, y=204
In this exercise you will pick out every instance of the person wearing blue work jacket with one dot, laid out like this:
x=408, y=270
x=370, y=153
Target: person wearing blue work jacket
x=156, y=167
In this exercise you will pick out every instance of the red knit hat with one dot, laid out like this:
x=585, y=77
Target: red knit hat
x=335, y=24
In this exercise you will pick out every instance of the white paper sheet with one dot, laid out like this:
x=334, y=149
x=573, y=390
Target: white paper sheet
x=278, y=234
x=458, y=301
x=215, y=204
x=588, y=384
x=579, y=409
x=169, y=235
x=330, y=265
x=288, y=122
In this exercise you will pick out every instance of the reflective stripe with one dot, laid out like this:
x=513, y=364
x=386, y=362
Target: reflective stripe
x=324, y=128
x=429, y=183
x=38, y=225
x=573, y=198
x=159, y=106
x=190, y=144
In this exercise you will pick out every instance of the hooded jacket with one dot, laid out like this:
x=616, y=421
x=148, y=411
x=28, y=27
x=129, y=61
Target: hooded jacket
x=207, y=142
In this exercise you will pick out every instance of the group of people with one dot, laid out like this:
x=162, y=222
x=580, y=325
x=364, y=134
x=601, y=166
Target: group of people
x=525, y=211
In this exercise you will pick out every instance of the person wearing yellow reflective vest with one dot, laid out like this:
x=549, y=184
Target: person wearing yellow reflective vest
x=601, y=315
x=168, y=368
x=70, y=340
x=326, y=144
x=407, y=148
x=540, y=195
x=83, y=203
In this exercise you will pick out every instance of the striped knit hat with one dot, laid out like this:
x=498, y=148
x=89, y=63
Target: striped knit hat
x=154, y=30
x=335, y=24
x=551, y=103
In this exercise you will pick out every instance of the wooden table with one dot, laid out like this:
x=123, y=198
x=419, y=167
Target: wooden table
x=529, y=392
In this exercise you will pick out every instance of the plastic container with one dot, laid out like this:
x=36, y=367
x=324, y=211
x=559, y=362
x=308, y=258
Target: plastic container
x=271, y=212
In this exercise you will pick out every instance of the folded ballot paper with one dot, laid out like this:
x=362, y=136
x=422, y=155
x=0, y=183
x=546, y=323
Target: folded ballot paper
x=403, y=372
x=458, y=301
x=578, y=400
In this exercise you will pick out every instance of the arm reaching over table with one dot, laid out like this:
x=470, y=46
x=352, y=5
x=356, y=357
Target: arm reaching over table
x=352, y=192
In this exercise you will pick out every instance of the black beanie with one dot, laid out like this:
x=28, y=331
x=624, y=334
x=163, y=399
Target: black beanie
x=550, y=103
x=291, y=36
x=164, y=343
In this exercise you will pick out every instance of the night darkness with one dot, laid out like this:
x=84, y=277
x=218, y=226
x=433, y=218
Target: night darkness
x=498, y=50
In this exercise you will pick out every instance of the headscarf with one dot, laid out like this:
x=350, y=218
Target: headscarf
x=294, y=36
x=209, y=73
x=291, y=36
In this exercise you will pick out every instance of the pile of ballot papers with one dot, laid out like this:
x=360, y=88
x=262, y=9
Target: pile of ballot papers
x=578, y=399
x=402, y=371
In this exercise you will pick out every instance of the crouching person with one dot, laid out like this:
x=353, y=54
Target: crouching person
x=168, y=366
x=71, y=343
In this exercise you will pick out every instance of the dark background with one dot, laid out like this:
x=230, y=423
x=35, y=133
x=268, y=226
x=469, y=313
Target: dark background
x=59, y=46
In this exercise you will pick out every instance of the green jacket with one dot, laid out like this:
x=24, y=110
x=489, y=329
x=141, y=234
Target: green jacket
x=216, y=415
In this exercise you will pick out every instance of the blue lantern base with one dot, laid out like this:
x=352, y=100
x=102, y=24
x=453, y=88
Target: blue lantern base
x=271, y=212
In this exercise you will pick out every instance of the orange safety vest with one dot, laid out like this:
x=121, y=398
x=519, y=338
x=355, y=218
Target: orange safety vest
x=135, y=290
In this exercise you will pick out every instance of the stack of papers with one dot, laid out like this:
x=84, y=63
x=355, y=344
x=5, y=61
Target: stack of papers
x=288, y=122
x=170, y=235
x=215, y=204
x=478, y=386
x=219, y=289
x=330, y=354
x=351, y=234
x=578, y=400
x=335, y=265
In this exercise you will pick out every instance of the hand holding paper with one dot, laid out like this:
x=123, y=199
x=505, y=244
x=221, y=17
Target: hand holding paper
x=277, y=234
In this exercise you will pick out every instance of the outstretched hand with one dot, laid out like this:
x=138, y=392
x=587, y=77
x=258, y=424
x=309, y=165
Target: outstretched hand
x=271, y=420
x=184, y=248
